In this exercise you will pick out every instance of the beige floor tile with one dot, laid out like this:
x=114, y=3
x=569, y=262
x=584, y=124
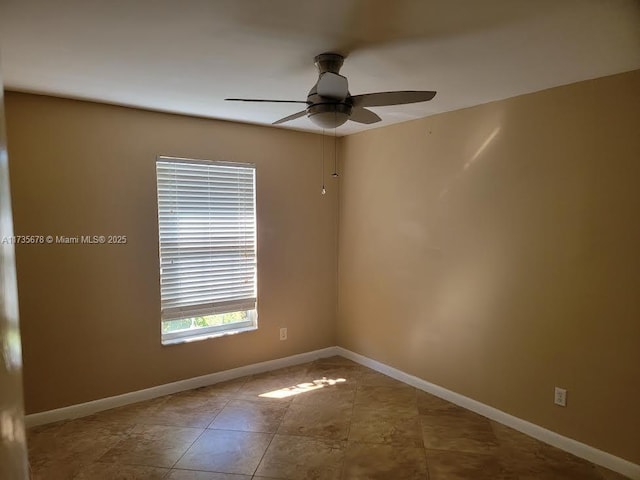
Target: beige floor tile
x=153, y=445
x=208, y=393
x=65, y=469
x=270, y=388
x=86, y=430
x=315, y=409
x=367, y=461
x=323, y=421
x=554, y=471
x=376, y=379
x=392, y=426
x=335, y=360
x=194, y=475
x=129, y=414
x=431, y=405
x=465, y=433
x=549, y=463
x=48, y=427
x=445, y=465
x=295, y=374
x=349, y=374
x=328, y=392
x=185, y=411
x=514, y=441
x=299, y=369
x=82, y=437
x=111, y=471
x=226, y=451
x=607, y=474
x=250, y=416
x=386, y=397
x=227, y=388
x=301, y=458
x=62, y=450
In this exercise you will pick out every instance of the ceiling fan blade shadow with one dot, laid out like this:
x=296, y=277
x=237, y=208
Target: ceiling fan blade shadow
x=362, y=115
x=350, y=26
x=357, y=24
x=263, y=100
x=290, y=117
x=383, y=99
x=373, y=23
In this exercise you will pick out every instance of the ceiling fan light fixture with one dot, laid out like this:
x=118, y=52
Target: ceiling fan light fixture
x=329, y=115
x=329, y=103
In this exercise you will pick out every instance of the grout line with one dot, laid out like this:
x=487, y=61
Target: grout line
x=346, y=446
x=424, y=447
x=286, y=410
x=273, y=435
x=217, y=414
x=201, y=433
x=166, y=475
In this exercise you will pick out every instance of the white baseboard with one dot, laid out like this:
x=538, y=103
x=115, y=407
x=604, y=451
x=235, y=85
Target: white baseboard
x=88, y=408
x=567, y=444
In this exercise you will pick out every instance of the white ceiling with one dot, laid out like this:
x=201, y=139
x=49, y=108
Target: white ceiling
x=187, y=56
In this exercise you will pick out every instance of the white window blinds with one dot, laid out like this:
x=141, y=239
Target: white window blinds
x=207, y=225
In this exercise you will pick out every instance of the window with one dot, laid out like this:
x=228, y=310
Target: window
x=207, y=226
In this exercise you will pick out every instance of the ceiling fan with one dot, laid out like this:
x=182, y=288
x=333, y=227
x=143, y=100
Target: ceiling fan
x=329, y=103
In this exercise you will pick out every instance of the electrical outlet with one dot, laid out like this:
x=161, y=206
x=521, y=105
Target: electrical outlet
x=560, y=397
x=283, y=333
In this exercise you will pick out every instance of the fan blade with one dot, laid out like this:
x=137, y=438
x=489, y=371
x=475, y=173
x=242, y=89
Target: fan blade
x=391, y=98
x=362, y=115
x=290, y=117
x=261, y=100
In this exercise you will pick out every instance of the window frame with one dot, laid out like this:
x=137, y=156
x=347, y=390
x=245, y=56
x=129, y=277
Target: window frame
x=202, y=333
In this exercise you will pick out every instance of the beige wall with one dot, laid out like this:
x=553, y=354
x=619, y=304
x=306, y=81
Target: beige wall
x=91, y=313
x=495, y=251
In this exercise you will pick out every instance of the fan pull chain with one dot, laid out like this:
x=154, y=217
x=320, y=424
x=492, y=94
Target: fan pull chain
x=335, y=152
x=324, y=190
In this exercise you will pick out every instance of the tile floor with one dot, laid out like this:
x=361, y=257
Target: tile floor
x=327, y=420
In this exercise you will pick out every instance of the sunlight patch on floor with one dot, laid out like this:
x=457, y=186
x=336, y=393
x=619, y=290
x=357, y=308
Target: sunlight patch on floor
x=302, y=388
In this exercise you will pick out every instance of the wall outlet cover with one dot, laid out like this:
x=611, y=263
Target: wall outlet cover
x=560, y=397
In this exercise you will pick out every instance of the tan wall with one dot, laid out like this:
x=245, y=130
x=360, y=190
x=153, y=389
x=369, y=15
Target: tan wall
x=91, y=313
x=495, y=251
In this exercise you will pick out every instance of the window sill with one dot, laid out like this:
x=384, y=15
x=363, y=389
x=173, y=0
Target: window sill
x=206, y=336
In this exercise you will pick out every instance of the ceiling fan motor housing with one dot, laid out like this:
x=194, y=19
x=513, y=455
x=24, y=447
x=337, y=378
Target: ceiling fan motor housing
x=327, y=105
x=328, y=62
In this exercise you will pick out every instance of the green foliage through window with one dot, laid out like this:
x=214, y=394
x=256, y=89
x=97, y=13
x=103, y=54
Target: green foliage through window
x=200, y=322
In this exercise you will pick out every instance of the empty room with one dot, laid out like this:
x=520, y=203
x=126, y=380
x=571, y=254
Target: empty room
x=333, y=240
